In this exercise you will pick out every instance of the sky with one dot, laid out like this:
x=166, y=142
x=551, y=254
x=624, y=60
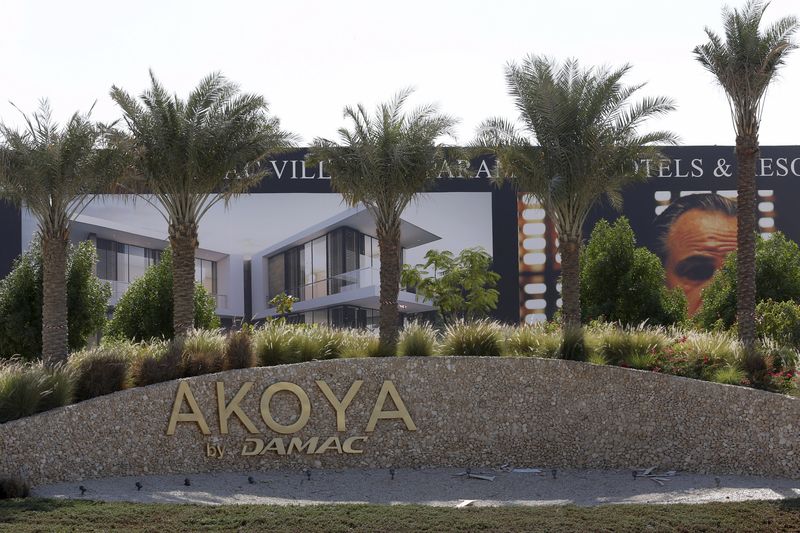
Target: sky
x=309, y=59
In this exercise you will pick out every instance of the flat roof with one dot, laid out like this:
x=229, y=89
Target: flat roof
x=358, y=218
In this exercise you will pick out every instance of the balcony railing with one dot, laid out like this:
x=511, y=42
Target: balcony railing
x=348, y=281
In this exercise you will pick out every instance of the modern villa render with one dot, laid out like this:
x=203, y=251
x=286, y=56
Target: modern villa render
x=124, y=253
x=332, y=268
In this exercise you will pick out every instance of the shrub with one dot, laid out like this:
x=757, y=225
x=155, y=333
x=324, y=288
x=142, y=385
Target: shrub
x=573, y=345
x=729, y=375
x=357, y=343
x=777, y=278
x=156, y=362
x=21, y=301
x=779, y=321
x=479, y=338
x=238, y=350
x=145, y=310
x=417, y=339
x=622, y=283
x=461, y=287
x=279, y=343
x=533, y=341
x=101, y=370
x=631, y=346
x=13, y=487
x=30, y=388
x=272, y=344
x=203, y=352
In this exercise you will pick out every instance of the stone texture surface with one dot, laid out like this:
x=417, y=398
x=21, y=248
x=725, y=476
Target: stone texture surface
x=469, y=412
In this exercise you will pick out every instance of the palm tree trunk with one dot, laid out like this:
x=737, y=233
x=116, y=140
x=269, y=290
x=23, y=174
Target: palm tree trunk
x=747, y=152
x=389, y=243
x=570, y=281
x=54, y=304
x=183, y=239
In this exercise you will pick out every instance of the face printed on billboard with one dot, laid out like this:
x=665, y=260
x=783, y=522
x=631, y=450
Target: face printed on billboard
x=694, y=234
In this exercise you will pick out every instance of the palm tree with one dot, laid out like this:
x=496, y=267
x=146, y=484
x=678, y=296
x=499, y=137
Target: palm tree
x=383, y=162
x=744, y=64
x=55, y=172
x=588, y=146
x=191, y=155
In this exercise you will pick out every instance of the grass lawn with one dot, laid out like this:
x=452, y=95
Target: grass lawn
x=69, y=515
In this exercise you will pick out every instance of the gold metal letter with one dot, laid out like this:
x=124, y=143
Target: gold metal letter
x=297, y=444
x=225, y=411
x=340, y=407
x=275, y=445
x=330, y=442
x=305, y=407
x=379, y=413
x=196, y=416
x=347, y=445
x=258, y=445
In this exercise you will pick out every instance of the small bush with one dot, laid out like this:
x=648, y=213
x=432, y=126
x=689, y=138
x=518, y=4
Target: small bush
x=779, y=321
x=272, y=344
x=357, y=343
x=479, y=338
x=417, y=339
x=238, y=351
x=777, y=278
x=631, y=347
x=621, y=282
x=30, y=388
x=101, y=370
x=729, y=375
x=534, y=341
x=203, y=352
x=13, y=487
x=596, y=358
x=156, y=362
x=574, y=345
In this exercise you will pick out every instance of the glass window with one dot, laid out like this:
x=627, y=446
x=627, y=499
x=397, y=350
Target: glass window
x=136, y=263
x=319, y=250
x=320, y=316
x=209, y=279
x=275, y=277
x=122, y=262
x=308, y=271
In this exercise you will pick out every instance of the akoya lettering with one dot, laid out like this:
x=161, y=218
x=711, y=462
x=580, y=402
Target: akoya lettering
x=226, y=410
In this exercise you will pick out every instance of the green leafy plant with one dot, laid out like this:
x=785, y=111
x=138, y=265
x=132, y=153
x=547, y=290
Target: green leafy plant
x=417, y=339
x=779, y=321
x=21, y=301
x=145, y=310
x=623, y=283
x=729, y=375
x=479, y=338
x=461, y=287
x=777, y=278
x=283, y=304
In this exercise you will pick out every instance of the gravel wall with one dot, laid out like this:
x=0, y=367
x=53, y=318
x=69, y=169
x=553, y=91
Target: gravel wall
x=452, y=411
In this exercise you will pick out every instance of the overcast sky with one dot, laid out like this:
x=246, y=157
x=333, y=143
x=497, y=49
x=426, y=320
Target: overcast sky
x=309, y=59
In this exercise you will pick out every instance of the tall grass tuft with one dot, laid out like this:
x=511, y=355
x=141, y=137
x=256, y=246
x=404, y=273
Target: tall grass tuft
x=533, y=341
x=101, y=370
x=238, y=351
x=358, y=343
x=272, y=344
x=13, y=487
x=30, y=388
x=202, y=352
x=417, y=339
x=156, y=362
x=480, y=338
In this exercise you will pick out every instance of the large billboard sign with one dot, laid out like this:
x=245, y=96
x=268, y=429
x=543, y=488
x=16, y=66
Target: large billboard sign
x=293, y=233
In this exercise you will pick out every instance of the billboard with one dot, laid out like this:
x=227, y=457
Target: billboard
x=293, y=233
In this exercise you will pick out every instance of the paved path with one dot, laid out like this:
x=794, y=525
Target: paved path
x=429, y=487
